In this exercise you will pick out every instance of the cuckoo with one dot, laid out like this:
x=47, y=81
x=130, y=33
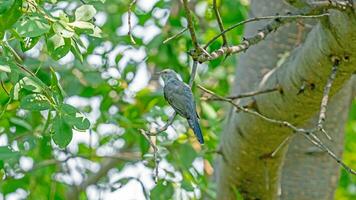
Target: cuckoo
x=180, y=97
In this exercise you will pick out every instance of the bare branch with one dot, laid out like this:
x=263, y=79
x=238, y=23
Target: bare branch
x=193, y=73
x=325, y=99
x=262, y=34
x=155, y=149
x=244, y=95
x=275, y=17
x=221, y=25
x=191, y=25
x=175, y=36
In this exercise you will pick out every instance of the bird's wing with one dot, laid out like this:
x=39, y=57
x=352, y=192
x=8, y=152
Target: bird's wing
x=180, y=97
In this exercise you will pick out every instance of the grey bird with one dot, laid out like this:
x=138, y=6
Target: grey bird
x=180, y=97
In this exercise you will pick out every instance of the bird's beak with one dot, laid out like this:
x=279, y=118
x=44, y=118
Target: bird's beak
x=158, y=73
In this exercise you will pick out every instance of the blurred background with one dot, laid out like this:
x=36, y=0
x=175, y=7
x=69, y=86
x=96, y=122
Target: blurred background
x=117, y=90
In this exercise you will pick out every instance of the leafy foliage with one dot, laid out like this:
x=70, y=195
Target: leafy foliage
x=76, y=91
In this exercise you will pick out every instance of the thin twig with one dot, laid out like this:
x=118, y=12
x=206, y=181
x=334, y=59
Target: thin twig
x=220, y=23
x=155, y=149
x=163, y=128
x=129, y=22
x=175, y=36
x=325, y=99
x=191, y=25
x=284, y=142
x=309, y=134
x=244, y=95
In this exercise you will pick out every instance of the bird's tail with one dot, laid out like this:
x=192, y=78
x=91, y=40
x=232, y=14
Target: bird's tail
x=194, y=124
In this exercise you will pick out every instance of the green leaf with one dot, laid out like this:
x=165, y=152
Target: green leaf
x=28, y=43
x=63, y=16
x=9, y=15
x=7, y=153
x=62, y=132
x=82, y=25
x=5, y=68
x=35, y=102
x=63, y=30
x=162, y=192
x=58, y=46
x=74, y=118
x=26, y=82
x=96, y=32
x=85, y=13
x=5, y=5
x=20, y=122
x=76, y=51
x=32, y=25
x=187, y=155
x=187, y=185
x=68, y=109
x=57, y=89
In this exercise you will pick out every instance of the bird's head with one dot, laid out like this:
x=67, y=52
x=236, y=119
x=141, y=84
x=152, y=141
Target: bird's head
x=168, y=74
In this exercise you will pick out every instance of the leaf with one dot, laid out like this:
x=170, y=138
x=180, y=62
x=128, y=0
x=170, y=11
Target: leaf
x=74, y=118
x=62, y=132
x=82, y=25
x=21, y=123
x=63, y=30
x=57, y=89
x=25, y=82
x=7, y=153
x=58, y=46
x=187, y=186
x=69, y=109
x=28, y=43
x=96, y=32
x=85, y=13
x=162, y=192
x=187, y=155
x=9, y=15
x=63, y=16
x=32, y=25
x=76, y=51
x=5, y=68
x=35, y=102
x=5, y=6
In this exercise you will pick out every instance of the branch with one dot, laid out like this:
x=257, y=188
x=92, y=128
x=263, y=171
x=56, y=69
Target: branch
x=247, y=42
x=175, y=36
x=220, y=23
x=190, y=25
x=325, y=99
x=193, y=73
x=244, y=95
x=275, y=17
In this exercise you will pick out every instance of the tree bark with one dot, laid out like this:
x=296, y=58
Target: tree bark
x=248, y=141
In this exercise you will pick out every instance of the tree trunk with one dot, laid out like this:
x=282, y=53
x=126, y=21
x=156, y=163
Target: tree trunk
x=297, y=54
